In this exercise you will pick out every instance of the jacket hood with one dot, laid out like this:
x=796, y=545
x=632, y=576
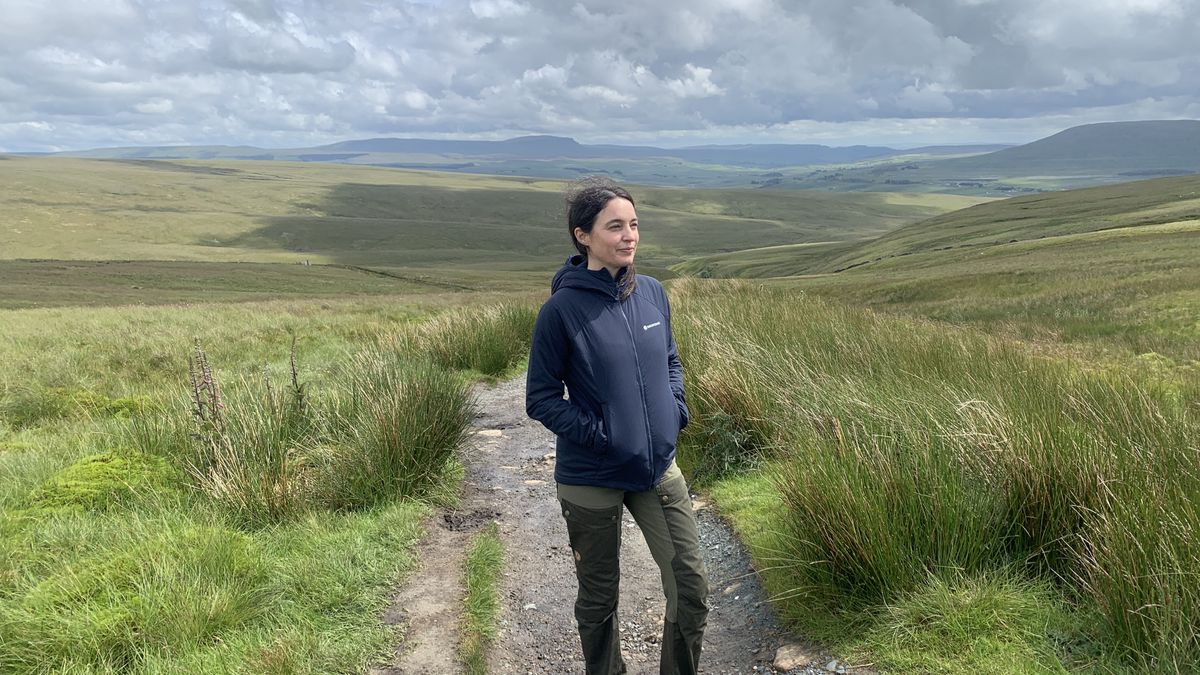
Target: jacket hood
x=575, y=274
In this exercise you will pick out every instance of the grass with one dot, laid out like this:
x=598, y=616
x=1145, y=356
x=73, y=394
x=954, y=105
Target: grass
x=991, y=623
x=1127, y=295
x=1108, y=273
x=881, y=462
x=1136, y=204
x=278, y=212
x=478, y=339
x=127, y=544
x=481, y=573
x=44, y=283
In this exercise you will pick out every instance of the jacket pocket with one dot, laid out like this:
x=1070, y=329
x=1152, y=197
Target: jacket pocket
x=606, y=420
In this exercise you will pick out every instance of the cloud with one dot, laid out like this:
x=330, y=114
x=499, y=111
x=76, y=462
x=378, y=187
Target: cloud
x=296, y=72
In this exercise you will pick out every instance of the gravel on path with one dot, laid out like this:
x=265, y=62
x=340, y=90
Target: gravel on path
x=510, y=479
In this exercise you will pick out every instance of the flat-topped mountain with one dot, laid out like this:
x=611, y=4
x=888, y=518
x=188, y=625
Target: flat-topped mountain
x=1092, y=154
x=393, y=151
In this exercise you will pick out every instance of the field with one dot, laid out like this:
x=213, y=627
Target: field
x=1113, y=269
x=299, y=230
x=934, y=499
x=963, y=431
x=994, y=474
x=186, y=488
x=57, y=208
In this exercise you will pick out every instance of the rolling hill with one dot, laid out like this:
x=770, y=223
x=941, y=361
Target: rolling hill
x=1093, y=154
x=1114, y=267
x=556, y=157
x=1141, y=203
x=419, y=227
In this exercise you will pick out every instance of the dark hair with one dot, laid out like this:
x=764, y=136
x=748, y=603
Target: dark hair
x=586, y=198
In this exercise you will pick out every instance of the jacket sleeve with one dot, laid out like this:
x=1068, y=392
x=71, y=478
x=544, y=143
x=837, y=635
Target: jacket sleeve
x=544, y=402
x=675, y=369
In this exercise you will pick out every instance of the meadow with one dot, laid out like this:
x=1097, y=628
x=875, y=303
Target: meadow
x=962, y=432
x=292, y=220
x=935, y=499
x=1110, y=270
x=229, y=487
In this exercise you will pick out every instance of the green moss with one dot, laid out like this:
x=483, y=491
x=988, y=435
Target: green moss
x=100, y=481
x=29, y=407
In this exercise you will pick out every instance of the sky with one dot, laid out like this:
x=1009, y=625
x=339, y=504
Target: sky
x=78, y=74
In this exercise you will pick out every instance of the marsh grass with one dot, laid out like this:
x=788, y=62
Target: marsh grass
x=905, y=451
x=396, y=429
x=264, y=539
x=487, y=340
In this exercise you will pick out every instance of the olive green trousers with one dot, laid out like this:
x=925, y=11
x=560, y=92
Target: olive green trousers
x=664, y=514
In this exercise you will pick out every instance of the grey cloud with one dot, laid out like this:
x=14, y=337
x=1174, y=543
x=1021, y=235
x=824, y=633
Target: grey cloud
x=278, y=46
x=300, y=71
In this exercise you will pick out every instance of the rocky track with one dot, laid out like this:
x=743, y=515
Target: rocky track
x=510, y=479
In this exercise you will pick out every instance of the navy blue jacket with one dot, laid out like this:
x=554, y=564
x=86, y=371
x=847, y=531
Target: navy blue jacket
x=622, y=373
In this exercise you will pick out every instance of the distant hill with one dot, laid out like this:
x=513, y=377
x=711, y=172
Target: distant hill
x=558, y=157
x=1145, y=149
x=383, y=151
x=1093, y=154
x=968, y=231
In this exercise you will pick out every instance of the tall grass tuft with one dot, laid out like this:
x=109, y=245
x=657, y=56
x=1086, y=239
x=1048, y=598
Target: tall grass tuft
x=398, y=422
x=488, y=340
x=904, y=450
x=387, y=426
x=1140, y=565
x=251, y=445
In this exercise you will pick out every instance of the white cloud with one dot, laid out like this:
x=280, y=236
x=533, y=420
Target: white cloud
x=492, y=9
x=930, y=98
x=697, y=84
x=416, y=99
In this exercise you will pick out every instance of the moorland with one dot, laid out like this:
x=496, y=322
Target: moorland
x=957, y=433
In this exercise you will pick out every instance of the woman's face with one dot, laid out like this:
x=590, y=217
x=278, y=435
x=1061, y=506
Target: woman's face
x=614, y=236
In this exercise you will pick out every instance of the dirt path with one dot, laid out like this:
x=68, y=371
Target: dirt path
x=510, y=480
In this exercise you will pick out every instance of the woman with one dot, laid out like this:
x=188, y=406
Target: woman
x=605, y=333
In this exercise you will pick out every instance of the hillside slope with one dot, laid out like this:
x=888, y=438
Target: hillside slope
x=1093, y=154
x=1148, y=148
x=1149, y=202
x=1053, y=214
x=62, y=208
x=1116, y=268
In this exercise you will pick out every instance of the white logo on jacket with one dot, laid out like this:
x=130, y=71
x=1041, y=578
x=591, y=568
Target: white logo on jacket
x=651, y=325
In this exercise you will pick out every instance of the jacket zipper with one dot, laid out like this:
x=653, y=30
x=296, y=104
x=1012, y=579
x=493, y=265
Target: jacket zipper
x=641, y=391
